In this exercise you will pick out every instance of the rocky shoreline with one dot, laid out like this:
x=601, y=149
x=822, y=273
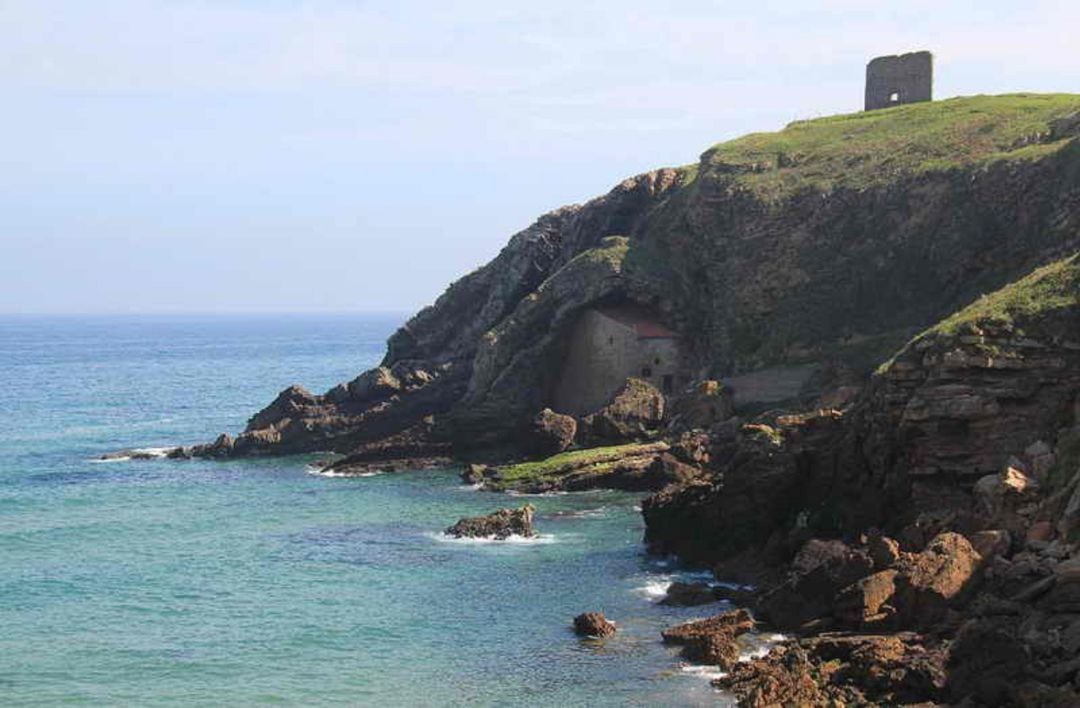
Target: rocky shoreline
x=907, y=507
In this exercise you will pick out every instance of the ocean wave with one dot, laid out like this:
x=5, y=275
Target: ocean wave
x=656, y=586
x=324, y=472
x=706, y=672
x=515, y=540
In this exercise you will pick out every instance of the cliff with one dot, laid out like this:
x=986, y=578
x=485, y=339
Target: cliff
x=826, y=245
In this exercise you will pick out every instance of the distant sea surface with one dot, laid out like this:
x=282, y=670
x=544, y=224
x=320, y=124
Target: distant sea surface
x=164, y=582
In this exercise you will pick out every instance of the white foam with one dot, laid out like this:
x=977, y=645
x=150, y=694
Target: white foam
x=325, y=472
x=706, y=672
x=763, y=644
x=491, y=540
x=655, y=590
x=137, y=453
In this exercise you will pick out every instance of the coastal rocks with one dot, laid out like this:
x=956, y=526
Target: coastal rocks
x=499, y=525
x=709, y=403
x=841, y=670
x=550, y=433
x=940, y=577
x=636, y=412
x=833, y=583
x=756, y=490
x=374, y=384
x=593, y=624
x=713, y=640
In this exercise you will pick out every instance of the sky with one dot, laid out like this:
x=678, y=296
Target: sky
x=324, y=155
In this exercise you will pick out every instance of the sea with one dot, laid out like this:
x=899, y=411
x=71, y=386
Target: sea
x=241, y=582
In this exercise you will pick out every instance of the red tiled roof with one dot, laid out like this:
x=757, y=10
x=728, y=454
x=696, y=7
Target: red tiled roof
x=643, y=324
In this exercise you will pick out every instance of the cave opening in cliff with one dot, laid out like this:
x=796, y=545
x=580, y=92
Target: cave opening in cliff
x=610, y=343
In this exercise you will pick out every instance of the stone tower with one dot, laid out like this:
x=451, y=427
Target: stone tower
x=896, y=80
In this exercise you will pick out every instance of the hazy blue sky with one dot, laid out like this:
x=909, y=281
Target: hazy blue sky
x=228, y=155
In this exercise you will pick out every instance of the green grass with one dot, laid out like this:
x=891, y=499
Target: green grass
x=1051, y=287
x=863, y=149
x=556, y=465
x=1048, y=288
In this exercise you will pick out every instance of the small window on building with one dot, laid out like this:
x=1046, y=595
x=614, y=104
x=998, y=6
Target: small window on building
x=894, y=97
x=646, y=372
x=610, y=340
x=669, y=383
x=657, y=361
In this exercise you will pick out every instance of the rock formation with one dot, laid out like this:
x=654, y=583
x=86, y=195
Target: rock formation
x=823, y=246
x=593, y=624
x=499, y=525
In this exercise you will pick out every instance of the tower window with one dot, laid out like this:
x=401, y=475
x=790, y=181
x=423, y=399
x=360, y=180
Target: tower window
x=646, y=372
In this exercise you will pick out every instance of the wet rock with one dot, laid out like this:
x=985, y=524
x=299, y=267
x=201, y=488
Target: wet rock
x=688, y=595
x=550, y=433
x=712, y=640
x=500, y=525
x=593, y=624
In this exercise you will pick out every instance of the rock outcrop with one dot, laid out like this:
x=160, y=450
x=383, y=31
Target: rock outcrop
x=865, y=229
x=499, y=525
x=713, y=640
x=593, y=624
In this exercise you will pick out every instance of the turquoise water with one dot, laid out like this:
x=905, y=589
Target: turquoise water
x=202, y=582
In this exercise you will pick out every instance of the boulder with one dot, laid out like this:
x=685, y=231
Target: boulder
x=820, y=571
x=1001, y=492
x=883, y=550
x=550, y=433
x=636, y=412
x=474, y=473
x=939, y=577
x=709, y=403
x=864, y=602
x=500, y=525
x=593, y=624
x=712, y=640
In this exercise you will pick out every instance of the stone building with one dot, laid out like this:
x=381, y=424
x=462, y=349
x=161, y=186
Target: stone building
x=607, y=346
x=896, y=80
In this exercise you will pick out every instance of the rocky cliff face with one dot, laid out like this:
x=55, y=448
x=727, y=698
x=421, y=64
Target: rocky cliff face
x=828, y=243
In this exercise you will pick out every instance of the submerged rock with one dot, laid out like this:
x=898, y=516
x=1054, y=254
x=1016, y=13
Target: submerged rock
x=500, y=525
x=593, y=624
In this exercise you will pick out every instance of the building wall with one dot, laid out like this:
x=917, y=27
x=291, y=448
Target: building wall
x=907, y=77
x=601, y=354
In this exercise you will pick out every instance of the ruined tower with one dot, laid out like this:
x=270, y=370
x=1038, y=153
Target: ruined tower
x=896, y=80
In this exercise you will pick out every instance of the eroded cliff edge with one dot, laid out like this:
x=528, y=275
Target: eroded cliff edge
x=826, y=244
